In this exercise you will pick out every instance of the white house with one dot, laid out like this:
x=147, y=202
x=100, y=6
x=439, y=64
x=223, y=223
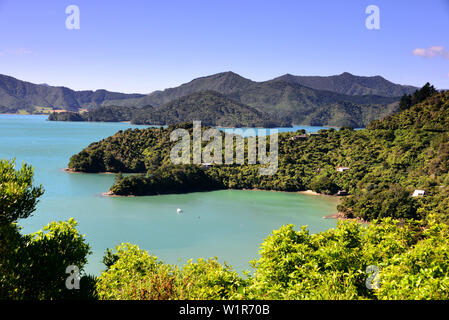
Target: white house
x=341, y=169
x=418, y=193
x=299, y=137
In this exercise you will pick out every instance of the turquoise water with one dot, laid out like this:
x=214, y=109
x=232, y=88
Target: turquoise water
x=229, y=224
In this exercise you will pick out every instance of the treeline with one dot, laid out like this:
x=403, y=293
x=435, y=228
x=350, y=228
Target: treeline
x=66, y=116
x=418, y=96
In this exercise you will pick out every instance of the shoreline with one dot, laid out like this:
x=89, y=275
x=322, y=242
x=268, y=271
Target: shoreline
x=314, y=193
x=341, y=216
x=305, y=192
x=111, y=195
x=68, y=170
x=166, y=125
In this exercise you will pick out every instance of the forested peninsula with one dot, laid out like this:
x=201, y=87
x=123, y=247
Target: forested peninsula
x=380, y=166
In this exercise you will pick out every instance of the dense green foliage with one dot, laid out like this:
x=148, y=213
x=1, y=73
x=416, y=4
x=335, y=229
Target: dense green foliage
x=333, y=264
x=18, y=196
x=33, y=266
x=166, y=180
x=418, y=96
x=126, y=151
x=137, y=275
x=41, y=260
x=411, y=259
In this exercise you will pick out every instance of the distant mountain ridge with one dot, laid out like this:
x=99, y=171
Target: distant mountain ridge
x=16, y=94
x=350, y=84
x=299, y=100
x=234, y=85
x=288, y=100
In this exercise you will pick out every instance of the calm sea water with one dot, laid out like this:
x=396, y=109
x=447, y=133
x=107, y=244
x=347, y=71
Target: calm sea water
x=228, y=224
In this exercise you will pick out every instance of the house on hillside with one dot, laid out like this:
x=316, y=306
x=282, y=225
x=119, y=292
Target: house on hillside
x=299, y=137
x=342, y=193
x=342, y=169
x=418, y=193
x=313, y=134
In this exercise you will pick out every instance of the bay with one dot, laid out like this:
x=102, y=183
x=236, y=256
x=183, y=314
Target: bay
x=228, y=224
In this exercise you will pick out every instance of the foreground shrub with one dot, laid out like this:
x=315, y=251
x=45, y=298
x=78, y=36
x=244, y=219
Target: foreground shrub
x=412, y=263
x=409, y=261
x=137, y=275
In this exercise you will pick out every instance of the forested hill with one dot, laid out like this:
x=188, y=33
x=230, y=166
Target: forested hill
x=350, y=84
x=209, y=107
x=234, y=85
x=295, y=102
x=386, y=164
x=431, y=114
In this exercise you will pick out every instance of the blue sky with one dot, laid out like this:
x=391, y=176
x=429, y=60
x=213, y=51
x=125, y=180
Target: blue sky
x=142, y=46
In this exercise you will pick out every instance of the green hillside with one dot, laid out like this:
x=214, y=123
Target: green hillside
x=209, y=107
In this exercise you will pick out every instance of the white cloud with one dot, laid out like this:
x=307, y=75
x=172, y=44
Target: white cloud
x=431, y=52
x=15, y=52
x=22, y=51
